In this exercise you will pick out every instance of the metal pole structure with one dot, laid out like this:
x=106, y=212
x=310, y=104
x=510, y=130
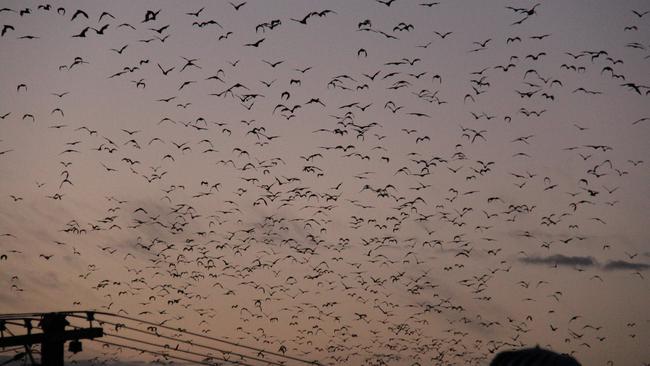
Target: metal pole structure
x=52, y=339
x=52, y=349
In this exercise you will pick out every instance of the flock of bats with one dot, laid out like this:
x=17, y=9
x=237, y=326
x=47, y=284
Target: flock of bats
x=329, y=215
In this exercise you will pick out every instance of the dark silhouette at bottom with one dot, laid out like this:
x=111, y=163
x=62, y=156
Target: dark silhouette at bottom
x=533, y=357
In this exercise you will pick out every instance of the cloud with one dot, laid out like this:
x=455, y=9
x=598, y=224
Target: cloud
x=622, y=265
x=561, y=260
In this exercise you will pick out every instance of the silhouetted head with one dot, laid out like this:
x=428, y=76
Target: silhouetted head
x=533, y=357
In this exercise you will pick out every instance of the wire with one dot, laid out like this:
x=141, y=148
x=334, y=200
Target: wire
x=158, y=353
x=189, y=342
x=74, y=312
x=20, y=315
x=89, y=315
x=211, y=338
x=7, y=350
x=166, y=347
x=17, y=356
x=24, y=325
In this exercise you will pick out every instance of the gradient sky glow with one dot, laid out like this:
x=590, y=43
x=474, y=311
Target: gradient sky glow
x=357, y=189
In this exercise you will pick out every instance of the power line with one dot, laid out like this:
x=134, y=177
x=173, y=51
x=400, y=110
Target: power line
x=22, y=315
x=166, y=356
x=166, y=347
x=28, y=348
x=7, y=350
x=211, y=338
x=27, y=319
x=51, y=339
x=17, y=356
x=186, y=342
x=154, y=344
x=258, y=350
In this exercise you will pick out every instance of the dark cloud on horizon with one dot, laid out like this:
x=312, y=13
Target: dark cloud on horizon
x=562, y=260
x=623, y=265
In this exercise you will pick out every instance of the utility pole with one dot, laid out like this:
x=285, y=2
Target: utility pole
x=53, y=338
x=52, y=349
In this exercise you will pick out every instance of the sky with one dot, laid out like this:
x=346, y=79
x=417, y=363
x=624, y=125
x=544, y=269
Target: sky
x=353, y=182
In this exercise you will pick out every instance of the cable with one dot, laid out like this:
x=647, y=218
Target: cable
x=166, y=347
x=28, y=349
x=158, y=353
x=24, y=325
x=190, y=343
x=6, y=350
x=20, y=315
x=89, y=315
x=17, y=356
x=210, y=338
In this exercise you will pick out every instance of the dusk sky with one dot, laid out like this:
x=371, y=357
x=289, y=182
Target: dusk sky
x=357, y=182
